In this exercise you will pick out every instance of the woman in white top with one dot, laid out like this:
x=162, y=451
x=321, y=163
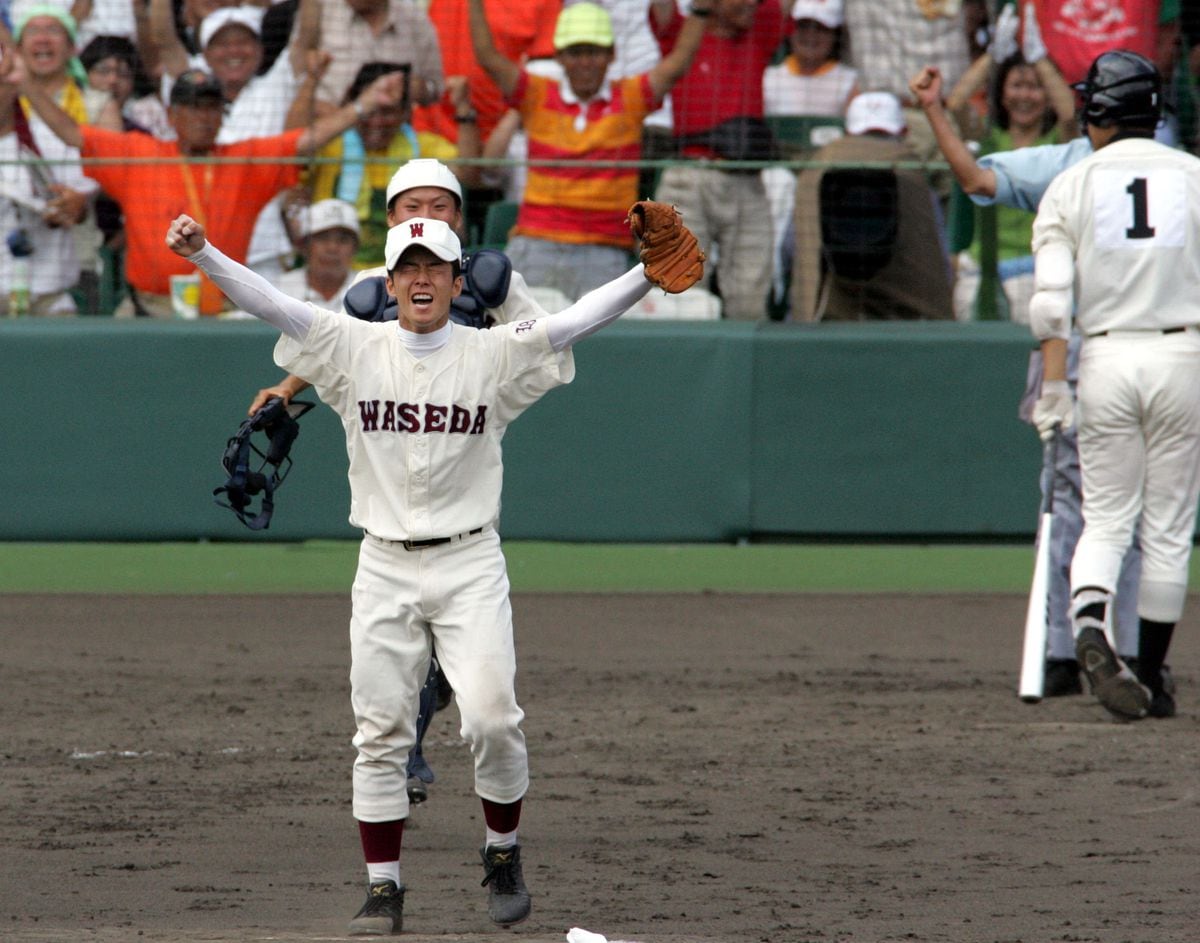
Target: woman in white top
x=812, y=80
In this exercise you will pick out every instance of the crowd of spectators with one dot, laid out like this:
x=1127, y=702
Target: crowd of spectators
x=116, y=115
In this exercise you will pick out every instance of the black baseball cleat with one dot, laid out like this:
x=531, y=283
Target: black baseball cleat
x=1061, y=678
x=383, y=912
x=1162, y=689
x=1115, y=686
x=508, y=898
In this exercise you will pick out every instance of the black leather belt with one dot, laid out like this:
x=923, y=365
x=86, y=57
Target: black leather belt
x=437, y=541
x=1165, y=330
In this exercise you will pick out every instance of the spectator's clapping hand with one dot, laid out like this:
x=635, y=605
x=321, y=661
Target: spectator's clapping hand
x=926, y=86
x=66, y=207
x=458, y=90
x=316, y=63
x=12, y=66
x=1004, y=36
x=1033, y=48
x=387, y=91
x=185, y=236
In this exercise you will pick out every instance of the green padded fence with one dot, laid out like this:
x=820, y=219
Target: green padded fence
x=671, y=432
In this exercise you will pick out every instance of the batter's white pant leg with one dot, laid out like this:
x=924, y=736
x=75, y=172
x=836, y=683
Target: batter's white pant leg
x=1112, y=462
x=1172, y=482
x=1068, y=524
x=1126, y=628
x=473, y=632
x=389, y=662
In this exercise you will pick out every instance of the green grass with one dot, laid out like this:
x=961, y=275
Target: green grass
x=328, y=567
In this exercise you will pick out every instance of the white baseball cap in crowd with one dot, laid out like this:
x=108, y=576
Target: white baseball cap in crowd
x=248, y=16
x=328, y=214
x=826, y=12
x=875, y=111
x=423, y=172
x=433, y=234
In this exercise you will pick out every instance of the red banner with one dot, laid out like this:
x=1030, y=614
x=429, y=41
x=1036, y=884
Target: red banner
x=1077, y=31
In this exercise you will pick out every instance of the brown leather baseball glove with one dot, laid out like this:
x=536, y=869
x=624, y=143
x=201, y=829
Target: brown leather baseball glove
x=669, y=251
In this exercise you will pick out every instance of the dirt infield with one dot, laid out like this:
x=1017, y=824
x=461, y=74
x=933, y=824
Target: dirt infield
x=705, y=768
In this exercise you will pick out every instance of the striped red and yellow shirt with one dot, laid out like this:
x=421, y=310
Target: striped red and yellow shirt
x=583, y=204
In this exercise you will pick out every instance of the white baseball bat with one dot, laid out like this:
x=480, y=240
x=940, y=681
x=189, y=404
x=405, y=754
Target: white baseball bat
x=1033, y=655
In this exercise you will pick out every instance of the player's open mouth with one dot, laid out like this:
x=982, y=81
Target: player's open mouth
x=422, y=299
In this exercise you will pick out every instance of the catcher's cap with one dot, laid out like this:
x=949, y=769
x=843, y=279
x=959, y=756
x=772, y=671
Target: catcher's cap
x=197, y=87
x=583, y=24
x=51, y=10
x=826, y=12
x=423, y=172
x=329, y=214
x=433, y=234
x=248, y=17
x=875, y=111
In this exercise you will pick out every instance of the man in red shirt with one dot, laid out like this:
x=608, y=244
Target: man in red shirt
x=728, y=208
x=175, y=177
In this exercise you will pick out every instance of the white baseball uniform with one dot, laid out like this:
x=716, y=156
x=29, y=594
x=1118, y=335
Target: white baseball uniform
x=424, y=415
x=1130, y=215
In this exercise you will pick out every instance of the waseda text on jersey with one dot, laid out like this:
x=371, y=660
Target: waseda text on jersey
x=417, y=417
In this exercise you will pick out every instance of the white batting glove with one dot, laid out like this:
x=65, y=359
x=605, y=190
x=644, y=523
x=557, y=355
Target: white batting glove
x=1033, y=48
x=1054, y=409
x=1004, y=35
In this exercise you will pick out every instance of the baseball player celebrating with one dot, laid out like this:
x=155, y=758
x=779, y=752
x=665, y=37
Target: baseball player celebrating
x=428, y=188
x=425, y=403
x=1122, y=229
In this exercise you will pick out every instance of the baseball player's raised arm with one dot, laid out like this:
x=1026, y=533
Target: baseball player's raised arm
x=246, y=289
x=597, y=308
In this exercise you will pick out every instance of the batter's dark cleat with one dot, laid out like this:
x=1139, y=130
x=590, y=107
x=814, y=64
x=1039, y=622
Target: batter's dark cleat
x=1162, y=690
x=1061, y=678
x=417, y=790
x=508, y=898
x=383, y=912
x=1115, y=686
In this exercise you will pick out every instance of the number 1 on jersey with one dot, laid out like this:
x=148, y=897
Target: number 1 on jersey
x=1141, y=228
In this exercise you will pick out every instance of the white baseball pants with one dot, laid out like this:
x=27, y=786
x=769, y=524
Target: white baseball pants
x=457, y=595
x=1139, y=447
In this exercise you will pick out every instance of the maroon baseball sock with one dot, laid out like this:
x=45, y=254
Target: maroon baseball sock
x=502, y=817
x=381, y=840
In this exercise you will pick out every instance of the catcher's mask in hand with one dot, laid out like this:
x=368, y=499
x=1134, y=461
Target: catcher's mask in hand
x=279, y=422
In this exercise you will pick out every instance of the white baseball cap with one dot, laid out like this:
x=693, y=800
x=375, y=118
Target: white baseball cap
x=433, y=234
x=328, y=214
x=875, y=111
x=826, y=12
x=423, y=172
x=249, y=17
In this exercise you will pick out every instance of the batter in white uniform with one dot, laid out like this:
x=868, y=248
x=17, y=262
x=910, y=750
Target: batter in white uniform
x=425, y=404
x=1122, y=229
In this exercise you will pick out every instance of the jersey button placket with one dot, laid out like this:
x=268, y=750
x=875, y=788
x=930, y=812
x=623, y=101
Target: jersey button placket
x=419, y=457
x=418, y=466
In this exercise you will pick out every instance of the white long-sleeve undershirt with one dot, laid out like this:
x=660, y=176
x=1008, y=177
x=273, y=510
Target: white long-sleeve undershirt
x=257, y=296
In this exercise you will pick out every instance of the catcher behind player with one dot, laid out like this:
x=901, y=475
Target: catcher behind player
x=425, y=403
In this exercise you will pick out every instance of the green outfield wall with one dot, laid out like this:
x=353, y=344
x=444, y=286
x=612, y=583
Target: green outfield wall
x=671, y=432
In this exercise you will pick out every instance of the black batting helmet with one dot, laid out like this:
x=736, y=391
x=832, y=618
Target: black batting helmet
x=1122, y=88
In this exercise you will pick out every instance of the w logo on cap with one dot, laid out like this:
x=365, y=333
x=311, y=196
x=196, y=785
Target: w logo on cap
x=416, y=230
